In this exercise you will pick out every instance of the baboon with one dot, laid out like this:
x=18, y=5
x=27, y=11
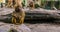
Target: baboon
x=9, y=4
x=18, y=16
x=31, y=5
x=18, y=2
x=14, y=3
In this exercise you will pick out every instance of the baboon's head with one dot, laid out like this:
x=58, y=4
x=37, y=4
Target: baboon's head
x=18, y=9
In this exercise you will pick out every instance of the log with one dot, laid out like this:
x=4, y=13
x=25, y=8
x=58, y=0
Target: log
x=5, y=11
x=50, y=13
x=34, y=14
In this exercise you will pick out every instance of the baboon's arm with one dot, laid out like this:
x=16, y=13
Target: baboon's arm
x=22, y=14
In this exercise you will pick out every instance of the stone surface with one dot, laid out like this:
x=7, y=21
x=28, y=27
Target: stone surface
x=20, y=28
x=4, y=27
x=44, y=27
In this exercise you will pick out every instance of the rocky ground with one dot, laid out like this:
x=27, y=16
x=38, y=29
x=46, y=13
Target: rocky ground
x=41, y=27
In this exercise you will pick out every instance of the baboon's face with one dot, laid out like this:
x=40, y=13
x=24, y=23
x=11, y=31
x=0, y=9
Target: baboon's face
x=18, y=9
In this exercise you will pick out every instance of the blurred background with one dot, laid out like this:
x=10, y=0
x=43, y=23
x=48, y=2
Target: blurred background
x=46, y=4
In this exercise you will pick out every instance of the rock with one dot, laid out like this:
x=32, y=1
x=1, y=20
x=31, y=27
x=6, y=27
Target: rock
x=12, y=30
x=4, y=28
x=23, y=28
x=15, y=28
x=1, y=23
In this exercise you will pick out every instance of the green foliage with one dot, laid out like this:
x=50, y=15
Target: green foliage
x=36, y=6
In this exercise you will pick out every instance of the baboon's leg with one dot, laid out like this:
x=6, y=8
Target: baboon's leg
x=17, y=22
x=9, y=4
x=13, y=20
x=15, y=3
x=22, y=20
x=33, y=6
